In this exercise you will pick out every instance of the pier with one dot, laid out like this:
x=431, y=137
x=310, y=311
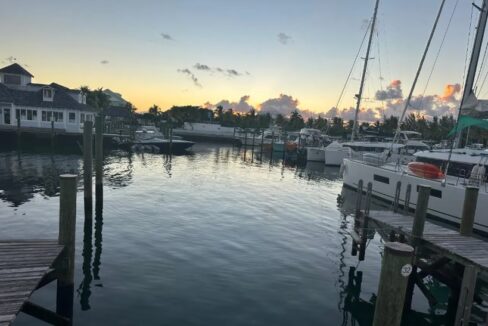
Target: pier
x=414, y=249
x=27, y=265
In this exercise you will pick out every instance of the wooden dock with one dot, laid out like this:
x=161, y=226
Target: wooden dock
x=465, y=250
x=25, y=265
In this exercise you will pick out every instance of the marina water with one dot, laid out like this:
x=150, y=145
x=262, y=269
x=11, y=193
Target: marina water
x=220, y=236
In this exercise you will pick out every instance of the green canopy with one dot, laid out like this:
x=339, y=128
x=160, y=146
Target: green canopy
x=467, y=121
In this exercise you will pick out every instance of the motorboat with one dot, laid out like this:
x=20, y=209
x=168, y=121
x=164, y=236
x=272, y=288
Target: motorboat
x=150, y=136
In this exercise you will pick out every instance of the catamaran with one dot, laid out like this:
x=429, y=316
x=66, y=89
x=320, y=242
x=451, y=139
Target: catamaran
x=447, y=172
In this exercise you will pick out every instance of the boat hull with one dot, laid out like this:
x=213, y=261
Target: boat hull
x=445, y=202
x=316, y=154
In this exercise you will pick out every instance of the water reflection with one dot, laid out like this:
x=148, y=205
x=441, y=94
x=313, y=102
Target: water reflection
x=91, y=271
x=23, y=174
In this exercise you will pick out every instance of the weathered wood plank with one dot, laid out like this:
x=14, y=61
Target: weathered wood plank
x=23, y=264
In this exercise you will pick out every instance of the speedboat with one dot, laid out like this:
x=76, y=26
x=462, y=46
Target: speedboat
x=151, y=137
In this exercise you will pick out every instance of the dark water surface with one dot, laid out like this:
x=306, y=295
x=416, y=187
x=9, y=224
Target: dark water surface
x=211, y=238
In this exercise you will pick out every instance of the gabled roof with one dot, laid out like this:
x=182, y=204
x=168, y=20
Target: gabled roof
x=61, y=100
x=117, y=112
x=16, y=69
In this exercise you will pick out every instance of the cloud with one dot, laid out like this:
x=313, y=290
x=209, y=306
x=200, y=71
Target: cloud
x=365, y=114
x=226, y=72
x=167, y=37
x=284, y=105
x=188, y=72
x=241, y=106
x=104, y=62
x=393, y=91
x=450, y=91
x=199, y=66
x=284, y=38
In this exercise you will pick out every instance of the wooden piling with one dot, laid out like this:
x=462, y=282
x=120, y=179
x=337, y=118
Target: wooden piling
x=420, y=212
x=359, y=197
x=87, y=164
x=99, y=160
x=67, y=233
x=395, y=269
x=52, y=132
x=354, y=249
x=171, y=139
x=469, y=210
x=465, y=302
x=408, y=193
x=262, y=142
x=397, y=196
x=365, y=222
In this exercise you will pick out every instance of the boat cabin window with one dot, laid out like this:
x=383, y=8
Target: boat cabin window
x=381, y=179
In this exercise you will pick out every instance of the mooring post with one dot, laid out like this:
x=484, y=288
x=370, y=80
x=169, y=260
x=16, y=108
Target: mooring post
x=99, y=160
x=171, y=139
x=397, y=196
x=420, y=213
x=466, y=295
x=284, y=145
x=67, y=232
x=469, y=210
x=364, y=225
x=395, y=269
x=253, y=137
x=52, y=132
x=18, y=125
x=272, y=144
x=262, y=142
x=359, y=197
x=408, y=193
x=87, y=164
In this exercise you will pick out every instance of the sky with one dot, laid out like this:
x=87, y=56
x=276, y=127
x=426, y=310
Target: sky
x=273, y=55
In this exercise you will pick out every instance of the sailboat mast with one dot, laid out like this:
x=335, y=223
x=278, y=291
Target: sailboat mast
x=473, y=63
x=365, y=68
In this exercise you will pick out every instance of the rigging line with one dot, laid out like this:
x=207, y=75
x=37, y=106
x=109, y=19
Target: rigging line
x=467, y=47
x=438, y=54
x=480, y=72
x=419, y=69
x=379, y=69
x=352, y=67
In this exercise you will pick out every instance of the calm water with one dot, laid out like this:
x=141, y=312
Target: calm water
x=212, y=238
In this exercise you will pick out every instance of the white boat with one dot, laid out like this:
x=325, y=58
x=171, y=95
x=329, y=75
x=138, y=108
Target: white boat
x=316, y=154
x=335, y=153
x=210, y=131
x=463, y=167
x=150, y=136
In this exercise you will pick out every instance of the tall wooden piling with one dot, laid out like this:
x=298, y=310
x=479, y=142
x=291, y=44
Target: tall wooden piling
x=99, y=160
x=87, y=164
x=395, y=269
x=359, y=197
x=397, y=196
x=52, y=133
x=408, y=193
x=420, y=212
x=67, y=232
x=466, y=296
x=469, y=210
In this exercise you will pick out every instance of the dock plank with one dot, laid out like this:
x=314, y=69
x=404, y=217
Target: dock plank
x=23, y=264
x=463, y=249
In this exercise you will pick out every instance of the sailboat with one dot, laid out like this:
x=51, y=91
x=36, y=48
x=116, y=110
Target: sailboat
x=447, y=172
x=335, y=153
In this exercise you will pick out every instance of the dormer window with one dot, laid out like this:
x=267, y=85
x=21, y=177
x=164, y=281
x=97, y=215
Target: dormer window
x=47, y=94
x=11, y=79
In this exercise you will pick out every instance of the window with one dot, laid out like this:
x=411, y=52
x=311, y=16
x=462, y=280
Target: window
x=381, y=178
x=23, y=114
x=85, y=117
x=82, y=117
x=52, y=116
x=11, y=79
x=47, y=94
x=72, y=117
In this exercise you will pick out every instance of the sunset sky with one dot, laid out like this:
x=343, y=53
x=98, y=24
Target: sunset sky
x=195, y=52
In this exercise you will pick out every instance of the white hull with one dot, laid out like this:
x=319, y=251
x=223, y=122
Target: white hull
x=335, y=156
x=445, y=202
x=316, y=154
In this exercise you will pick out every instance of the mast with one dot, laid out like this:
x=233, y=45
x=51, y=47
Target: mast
x=473, y=63
x=419, y=69
x=359, y=95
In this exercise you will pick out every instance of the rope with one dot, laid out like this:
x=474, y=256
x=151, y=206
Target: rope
x=438, y=53
x=467, y=47
x=352, y=67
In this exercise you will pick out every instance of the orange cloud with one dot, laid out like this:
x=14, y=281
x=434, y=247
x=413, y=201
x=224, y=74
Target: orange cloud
x=450, y=90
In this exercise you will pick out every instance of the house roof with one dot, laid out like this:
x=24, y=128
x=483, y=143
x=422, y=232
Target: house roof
x=61, y=100
x=17, y=69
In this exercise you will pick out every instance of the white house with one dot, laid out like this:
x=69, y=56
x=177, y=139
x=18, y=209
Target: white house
x=37, y=105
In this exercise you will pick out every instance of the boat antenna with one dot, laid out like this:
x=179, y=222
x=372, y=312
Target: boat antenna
x=473, y=63
x=410, y=94
x=363, y=76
